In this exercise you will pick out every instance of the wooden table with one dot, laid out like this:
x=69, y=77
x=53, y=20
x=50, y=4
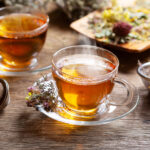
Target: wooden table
x=23, y=128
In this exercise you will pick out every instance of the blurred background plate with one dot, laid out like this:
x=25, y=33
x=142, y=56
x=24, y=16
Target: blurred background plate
x=82, y=26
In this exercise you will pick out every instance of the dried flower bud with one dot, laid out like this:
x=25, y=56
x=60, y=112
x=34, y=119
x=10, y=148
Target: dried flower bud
x=122, y=29
x=30, y=89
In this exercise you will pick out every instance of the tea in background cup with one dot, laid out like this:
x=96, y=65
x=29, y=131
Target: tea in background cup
x=22, y=35
x=85, y=76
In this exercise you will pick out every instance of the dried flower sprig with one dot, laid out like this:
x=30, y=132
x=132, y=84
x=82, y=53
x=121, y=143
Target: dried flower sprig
x=78, y=8
x=42, y=93
x=42, y=4
x=120, y=25
x=73, y=8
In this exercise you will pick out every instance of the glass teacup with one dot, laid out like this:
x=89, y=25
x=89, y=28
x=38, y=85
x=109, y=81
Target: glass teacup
x=22, y=35
x=85, y=76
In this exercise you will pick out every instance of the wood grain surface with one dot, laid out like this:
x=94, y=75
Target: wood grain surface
x=23, y=128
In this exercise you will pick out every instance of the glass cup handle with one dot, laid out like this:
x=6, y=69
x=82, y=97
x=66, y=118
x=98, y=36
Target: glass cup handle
x=4, y=100
x=130, y=92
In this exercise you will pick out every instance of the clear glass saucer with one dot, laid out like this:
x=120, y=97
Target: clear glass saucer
x=111, y=111
x=43, y=63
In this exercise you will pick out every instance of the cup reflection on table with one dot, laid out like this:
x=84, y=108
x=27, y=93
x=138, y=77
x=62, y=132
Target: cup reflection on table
x=84, y=77
x=22, y=35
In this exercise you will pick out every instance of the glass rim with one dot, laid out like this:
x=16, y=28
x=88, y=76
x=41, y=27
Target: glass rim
x=26, y=32
x=81, y=46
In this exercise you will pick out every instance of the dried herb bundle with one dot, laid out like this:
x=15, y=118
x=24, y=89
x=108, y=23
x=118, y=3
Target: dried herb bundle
x=74, y=8
x=42, y=93
x=33, y=3
x=78, y=8
x=121, y=25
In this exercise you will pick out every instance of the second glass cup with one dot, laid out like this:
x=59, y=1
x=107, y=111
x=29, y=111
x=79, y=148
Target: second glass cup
x=22, y=35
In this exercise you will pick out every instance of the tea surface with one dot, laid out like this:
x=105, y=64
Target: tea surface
x=19, y=23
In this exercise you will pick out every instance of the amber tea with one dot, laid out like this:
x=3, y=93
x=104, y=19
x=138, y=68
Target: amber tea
x=22, y=36
x=80, y=80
